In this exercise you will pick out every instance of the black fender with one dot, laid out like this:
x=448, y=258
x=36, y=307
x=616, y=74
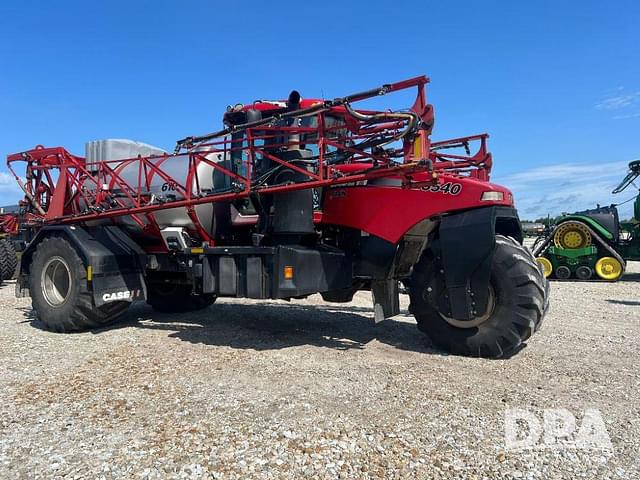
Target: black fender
x=466, y=242
x=114, y=262
x=462, y=243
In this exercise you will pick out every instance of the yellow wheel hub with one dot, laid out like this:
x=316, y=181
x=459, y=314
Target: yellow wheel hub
x=571, y=235
x=609, y=268
x=546, y=265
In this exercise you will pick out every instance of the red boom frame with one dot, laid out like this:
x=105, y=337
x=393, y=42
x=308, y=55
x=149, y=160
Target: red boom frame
x=57, y=192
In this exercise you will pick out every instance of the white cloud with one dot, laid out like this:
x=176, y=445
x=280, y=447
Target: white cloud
x=8, y=183
x=567, y=187
x=617, y=102
x=629, y=115
x=10, y=192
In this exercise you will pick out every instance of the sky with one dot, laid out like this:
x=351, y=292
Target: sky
x=556, y=84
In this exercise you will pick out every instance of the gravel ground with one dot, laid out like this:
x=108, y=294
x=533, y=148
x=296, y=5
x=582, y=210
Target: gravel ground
x=309, y=390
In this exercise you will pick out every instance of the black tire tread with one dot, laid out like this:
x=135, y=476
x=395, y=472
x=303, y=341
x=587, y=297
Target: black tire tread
x=83, y=315
x=8, y=260
x=515, y=322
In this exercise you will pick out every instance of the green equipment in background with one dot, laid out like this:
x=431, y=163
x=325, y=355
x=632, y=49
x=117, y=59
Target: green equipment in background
x=592, y=243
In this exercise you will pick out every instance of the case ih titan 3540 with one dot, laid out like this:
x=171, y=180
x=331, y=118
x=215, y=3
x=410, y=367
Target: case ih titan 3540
x=292, y=198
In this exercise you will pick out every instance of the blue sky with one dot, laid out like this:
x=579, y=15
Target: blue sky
x=555, y=83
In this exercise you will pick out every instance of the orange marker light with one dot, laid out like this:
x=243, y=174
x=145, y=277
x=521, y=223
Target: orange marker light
x=288, y=273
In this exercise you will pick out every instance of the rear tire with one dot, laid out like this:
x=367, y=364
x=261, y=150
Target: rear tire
x=60, y=291
x=519, y=297
x=176, y=298
x=8, y=260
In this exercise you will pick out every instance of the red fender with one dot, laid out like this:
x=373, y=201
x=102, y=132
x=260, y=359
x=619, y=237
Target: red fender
x=390, y=211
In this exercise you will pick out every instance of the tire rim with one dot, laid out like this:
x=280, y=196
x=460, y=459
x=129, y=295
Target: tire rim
x=547, y=266
x=572, y=235
x=563, y=272
x=474, y=322
x=56, y=281
x=609, y=268
x=584, y=273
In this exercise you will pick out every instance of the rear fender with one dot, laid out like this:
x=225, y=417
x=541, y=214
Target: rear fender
x=116, y=263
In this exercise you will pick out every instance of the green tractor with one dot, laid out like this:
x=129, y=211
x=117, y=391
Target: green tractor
x=592, y=244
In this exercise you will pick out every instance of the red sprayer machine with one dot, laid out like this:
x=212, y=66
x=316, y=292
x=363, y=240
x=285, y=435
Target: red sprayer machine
x=291, y=198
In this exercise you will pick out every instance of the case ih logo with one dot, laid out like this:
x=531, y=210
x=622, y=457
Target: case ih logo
x=124, y=295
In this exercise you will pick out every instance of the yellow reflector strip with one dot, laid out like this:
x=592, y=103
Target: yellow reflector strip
x=288, y=273
x=417, y=148
x=89, y=273
x=197, y=250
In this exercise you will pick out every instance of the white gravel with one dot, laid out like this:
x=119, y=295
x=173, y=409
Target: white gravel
x=309, y=390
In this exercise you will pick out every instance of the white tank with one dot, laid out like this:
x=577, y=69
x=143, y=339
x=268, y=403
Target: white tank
x=117, y=149
x=176, y=166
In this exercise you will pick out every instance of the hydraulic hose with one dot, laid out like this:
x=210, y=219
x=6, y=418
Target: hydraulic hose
x=409, y=117
x=191, y=142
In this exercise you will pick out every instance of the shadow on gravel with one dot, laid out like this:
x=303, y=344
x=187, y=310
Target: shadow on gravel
x=631, y=303
x=269, y=326
x=272, y=326
x=30, y=317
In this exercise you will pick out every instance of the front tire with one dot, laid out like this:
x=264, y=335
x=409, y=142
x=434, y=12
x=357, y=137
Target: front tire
x=518, y=303
x=60, y=291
